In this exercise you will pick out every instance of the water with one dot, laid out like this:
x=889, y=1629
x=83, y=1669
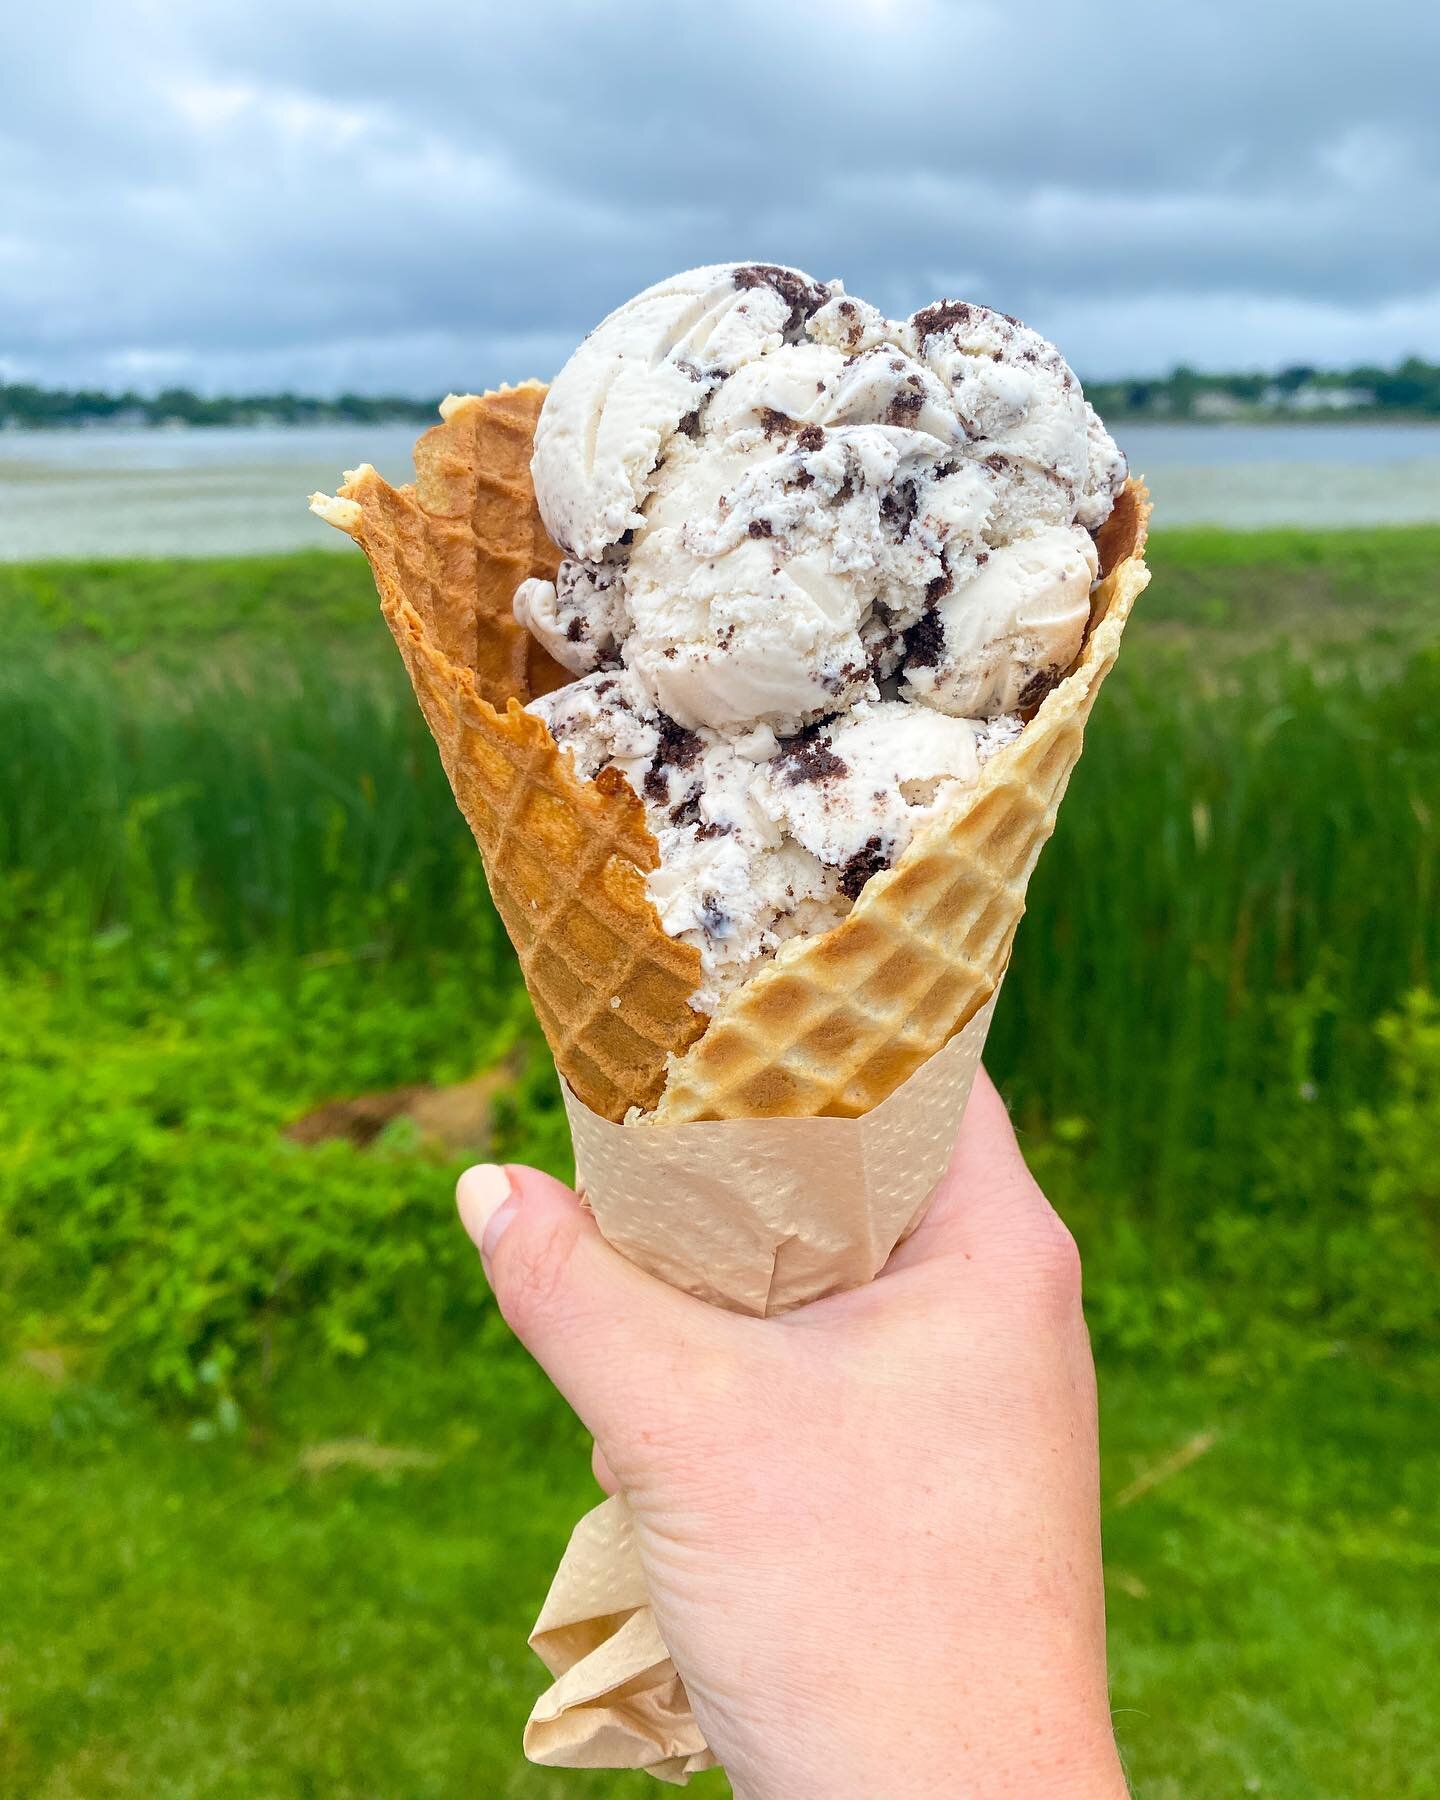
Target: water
x=215, y=492
x=181, y=493
x=1254, y=475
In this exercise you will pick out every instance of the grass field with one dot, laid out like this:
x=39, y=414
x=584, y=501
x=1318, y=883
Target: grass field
x=279, y=1497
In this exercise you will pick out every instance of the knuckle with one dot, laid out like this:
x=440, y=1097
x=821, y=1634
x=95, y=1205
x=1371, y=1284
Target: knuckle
x=1056, y=1262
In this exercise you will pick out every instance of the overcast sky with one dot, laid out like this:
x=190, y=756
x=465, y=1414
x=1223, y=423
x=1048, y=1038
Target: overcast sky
x=444, y=193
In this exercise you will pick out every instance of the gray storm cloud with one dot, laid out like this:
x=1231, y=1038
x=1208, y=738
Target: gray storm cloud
x=244, y=196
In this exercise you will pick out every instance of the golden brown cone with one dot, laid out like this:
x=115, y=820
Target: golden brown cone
x=837, y=1021
x=458, y=543
x=565, y=859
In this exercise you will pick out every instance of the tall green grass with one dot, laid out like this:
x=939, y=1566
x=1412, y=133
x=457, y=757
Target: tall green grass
x=282, y=804
x=1243, y=878
x=1236, y=836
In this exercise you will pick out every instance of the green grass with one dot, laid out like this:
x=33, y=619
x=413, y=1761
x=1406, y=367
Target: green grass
x=283, y=804
x=262, y=1615
x=233, y=885
x=189, y=607
x=1254, y=585
x=238, y=1616
x=1272, y=1612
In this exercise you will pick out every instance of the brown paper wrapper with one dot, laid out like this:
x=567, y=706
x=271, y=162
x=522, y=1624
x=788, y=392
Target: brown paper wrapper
x=756, y=1216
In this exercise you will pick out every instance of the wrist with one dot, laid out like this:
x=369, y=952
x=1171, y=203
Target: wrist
x=1100, y=1778
x=946, y=1759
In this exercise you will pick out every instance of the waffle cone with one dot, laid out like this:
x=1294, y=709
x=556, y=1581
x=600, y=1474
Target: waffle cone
x=837, y=1021
x=565, y=859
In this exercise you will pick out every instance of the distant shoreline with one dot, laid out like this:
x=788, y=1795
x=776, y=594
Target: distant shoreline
x=1408, y=394
x=178, y=427
x=1292, y=421
x=181, y=427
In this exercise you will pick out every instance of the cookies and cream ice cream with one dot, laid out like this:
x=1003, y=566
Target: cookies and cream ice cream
x=818, y=565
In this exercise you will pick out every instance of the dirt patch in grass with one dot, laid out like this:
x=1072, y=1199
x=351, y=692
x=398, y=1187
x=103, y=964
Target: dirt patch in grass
x=453, y=1119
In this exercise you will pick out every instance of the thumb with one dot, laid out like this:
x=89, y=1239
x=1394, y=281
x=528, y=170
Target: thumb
x=603, y=1330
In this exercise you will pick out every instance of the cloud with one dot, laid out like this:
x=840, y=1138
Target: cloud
x=448, y=194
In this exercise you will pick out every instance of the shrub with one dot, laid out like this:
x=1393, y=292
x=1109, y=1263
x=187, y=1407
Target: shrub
x=1397, y=1239
x=153, y=1209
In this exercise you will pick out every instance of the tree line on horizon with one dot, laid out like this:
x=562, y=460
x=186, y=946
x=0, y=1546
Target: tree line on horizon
x=25, y=405
x=1409, y=390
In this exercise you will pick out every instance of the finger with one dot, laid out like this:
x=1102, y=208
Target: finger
x=987, y=1198
x=603, y=1330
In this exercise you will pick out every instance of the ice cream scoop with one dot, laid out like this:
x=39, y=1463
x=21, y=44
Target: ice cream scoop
x=818, y=562
x=762, y=484
x=764, y=839
x=1025, y=415
x=730, y=880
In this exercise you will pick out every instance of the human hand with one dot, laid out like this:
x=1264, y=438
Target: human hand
x=869, y=1528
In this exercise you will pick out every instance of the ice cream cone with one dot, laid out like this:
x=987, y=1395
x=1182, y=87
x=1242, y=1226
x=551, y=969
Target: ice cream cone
x=807, y=1123
x=836, y=1022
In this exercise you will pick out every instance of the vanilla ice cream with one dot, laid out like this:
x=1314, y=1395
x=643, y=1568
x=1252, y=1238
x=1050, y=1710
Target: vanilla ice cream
x=819, y=564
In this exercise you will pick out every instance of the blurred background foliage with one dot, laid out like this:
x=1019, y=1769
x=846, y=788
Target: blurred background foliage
x=259, y=1428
